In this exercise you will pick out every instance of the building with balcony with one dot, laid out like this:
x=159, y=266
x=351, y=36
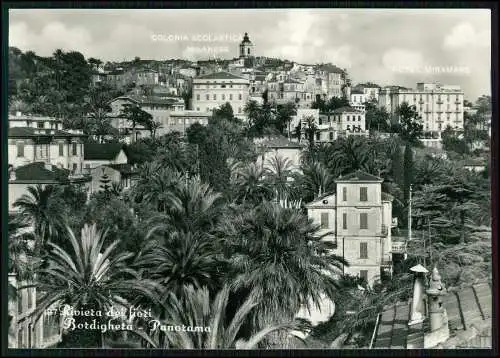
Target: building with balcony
x=439, y=106
x=213, y=90
x=24, y=330
x=357, y=219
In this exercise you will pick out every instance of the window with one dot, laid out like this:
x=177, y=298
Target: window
x=363, y=221
x=324, y=221
x=223, y=97
x=363, y=250
x=40, y=125
x=348, y=117
x=331, y=135
x=215, y=97
x=231, y=97
x=30, y=297
x=240, y=96
x=20, y=149
x=74, y=148
x=363, y=274
x=344, y=221
x=61, y=149
x=198, y=97
x=239, y=109
x=75, y=167
x=207, y=97
x=317, y=136
x=359, y=118
x=363, y=193
x=344, y=194
x=197, y=108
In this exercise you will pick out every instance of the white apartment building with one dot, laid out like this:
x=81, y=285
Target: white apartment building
x=357, y=220
x=439, y=106
x=213, y=90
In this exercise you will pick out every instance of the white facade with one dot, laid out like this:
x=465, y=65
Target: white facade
x=438, y=106
x=358, y=220
x=212, y=91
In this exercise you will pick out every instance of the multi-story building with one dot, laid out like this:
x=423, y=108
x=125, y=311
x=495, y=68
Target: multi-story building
x=160, y=108
x=332, y=81
x=180, y=121
x=120, y=78
x=357, y=219
x=213, y=90
x=358, y=97
x=146, y=77
x=439, y=106
x=41, y=139
x=341, y=123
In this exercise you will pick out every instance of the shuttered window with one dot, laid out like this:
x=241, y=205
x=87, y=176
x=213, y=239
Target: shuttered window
x=363, y=221
x=363, y=250
x=344, y=221
x=324, y=221
x=363, y=193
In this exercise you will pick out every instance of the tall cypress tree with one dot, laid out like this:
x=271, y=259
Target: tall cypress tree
x=397, y=167
x=408, y=171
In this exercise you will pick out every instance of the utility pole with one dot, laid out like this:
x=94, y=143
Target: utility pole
x=409, y=214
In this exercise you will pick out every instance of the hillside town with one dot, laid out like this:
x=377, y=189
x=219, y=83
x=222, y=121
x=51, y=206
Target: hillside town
x=304, y=209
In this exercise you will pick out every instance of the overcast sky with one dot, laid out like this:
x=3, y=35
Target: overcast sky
x=382, y=46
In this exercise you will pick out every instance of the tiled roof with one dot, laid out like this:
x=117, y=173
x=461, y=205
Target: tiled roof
x=278, y=142
x=358, y=176
x=24, y=132
x=465, y=307
x=346, y=109
x=153, y=99
x=292, y=82
x=38, y=173
x=105, y=151
x=330, y=68
x=222, y=75
x=357, y=91
x=122, y=168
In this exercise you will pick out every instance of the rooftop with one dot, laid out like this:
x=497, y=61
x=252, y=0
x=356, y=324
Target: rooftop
x=27, y=132
x=330, y=68
x=105, y=151
x=222, y=75
x=278, y=142
x=346, y=109
x=123, y=168
x=466, y=307
x=39, y=172
x=359, y=176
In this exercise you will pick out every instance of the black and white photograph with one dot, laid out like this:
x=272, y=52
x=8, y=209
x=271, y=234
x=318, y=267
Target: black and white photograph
x=239, y=179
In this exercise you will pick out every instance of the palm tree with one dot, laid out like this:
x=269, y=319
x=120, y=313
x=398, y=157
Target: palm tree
x=42, y=208
x=279, y=175
x=210, y=327
x=180, y=260
x=249, y=183
x=192, y=206
x=97, y=107
x=316, y=180
x=91, y=276
x=280, y=254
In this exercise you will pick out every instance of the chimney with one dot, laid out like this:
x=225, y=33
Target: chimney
x=439, y=330
x=417, y=305
x=12, y=173
x=435, y=292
